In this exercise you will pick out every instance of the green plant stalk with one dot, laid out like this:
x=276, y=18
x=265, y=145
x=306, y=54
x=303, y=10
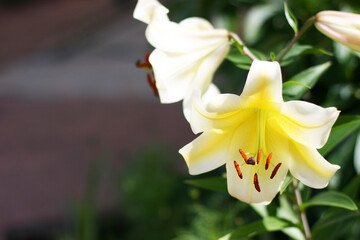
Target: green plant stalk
x=297, y=36
x=302, y=212
x=245, y=50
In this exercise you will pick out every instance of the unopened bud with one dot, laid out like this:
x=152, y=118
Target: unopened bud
x=342, y=27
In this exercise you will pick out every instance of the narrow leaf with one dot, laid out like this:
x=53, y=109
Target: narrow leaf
x=307, y=77
x=238, y=59
x=215, y=184
x=299, y=50
x=290, y=17
x=352, y=188
x=272, y=56
x=345, y=126
x=333, y=217
x=332, y=199
x=290, y=83
x=267, y=224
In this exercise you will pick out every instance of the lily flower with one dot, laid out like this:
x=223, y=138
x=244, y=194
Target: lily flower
x=260, y=137
x=340, y=26
x=186, y=54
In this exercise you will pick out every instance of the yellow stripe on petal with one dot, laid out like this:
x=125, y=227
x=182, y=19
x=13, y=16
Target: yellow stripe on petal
x=206, y=152
x=307, y=123
x=309, y=166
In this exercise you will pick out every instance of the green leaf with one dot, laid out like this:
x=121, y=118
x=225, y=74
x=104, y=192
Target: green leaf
x=332, y=218
x=291, y=83
x=332, y=199
x=307, y=77
x=286, y=183
x=290, y=17
x=267, y=224
x=215, y=184
x=240, y=60
x=299, y=50
x=352, y=189
x=344, y=126
x=272, y=56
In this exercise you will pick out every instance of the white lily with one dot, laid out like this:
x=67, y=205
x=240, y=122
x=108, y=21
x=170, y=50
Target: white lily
x=260, y=137
x=186, y=54
x=340, y=26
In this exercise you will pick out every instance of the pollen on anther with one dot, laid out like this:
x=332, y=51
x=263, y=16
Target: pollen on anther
x=259, y=155
x=243, y=155
x=256, y=182
x=275, y=170
x=268, y=161
x=237, y=167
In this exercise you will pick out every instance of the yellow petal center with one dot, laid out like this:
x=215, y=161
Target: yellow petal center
x=258, y=159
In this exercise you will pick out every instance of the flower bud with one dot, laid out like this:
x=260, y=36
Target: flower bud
x=340, y=26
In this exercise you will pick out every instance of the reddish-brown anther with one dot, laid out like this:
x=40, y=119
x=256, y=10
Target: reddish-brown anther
x=256, y=182
x=243, y=155
x=237, y=167
x=275, y=170
x=146, y=64
x=268, y=161
x=152, y=83
x=259, y=155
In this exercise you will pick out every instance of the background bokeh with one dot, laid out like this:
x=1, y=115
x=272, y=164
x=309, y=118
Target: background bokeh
x=86, y=150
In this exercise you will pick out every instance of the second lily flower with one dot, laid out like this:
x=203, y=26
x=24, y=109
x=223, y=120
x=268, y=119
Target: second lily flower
x=186, y=54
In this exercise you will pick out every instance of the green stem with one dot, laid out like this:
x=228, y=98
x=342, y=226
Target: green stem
x=302, y=212
x=245, y=51
x=297, y=36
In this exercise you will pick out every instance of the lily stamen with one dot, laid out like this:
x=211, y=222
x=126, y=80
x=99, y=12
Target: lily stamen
x=259, y=155
x=243, y=155
x=275, y=170
x=256, y=182
x=146, y=64
x=237, y=167
x=152, y=83
x=268, y=161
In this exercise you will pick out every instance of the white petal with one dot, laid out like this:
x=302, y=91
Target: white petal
x=309, y=166
x=222, y=111
x=206, y=97
x=175, y=38
x=196, y=23
x=264, y=83
x=173, y=74
x=147, y=10
x=206, y=152
x=307, y=123
x=177, y=75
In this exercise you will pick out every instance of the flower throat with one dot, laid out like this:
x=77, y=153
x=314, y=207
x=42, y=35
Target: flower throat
x=249, y=158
